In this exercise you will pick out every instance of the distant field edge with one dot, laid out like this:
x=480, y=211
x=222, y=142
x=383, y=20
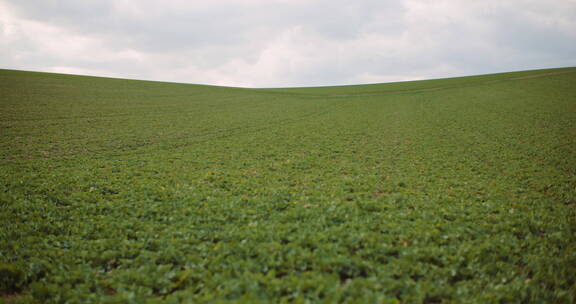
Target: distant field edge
x=324, y=90
x=418, y=85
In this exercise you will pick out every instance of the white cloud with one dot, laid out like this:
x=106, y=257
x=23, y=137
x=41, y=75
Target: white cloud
x=286, y=43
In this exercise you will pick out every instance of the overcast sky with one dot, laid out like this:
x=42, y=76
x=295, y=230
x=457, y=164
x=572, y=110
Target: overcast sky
x=280, y=43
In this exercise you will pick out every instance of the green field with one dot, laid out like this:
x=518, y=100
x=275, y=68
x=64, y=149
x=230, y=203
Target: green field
x=457, y=190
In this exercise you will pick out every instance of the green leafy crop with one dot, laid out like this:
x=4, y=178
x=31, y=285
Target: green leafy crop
x=456, y=190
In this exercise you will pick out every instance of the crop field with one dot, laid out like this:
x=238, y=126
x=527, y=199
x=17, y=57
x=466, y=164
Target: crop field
x=457, y=190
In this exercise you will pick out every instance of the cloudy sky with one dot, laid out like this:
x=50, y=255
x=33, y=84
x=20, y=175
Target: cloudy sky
x=279, y=43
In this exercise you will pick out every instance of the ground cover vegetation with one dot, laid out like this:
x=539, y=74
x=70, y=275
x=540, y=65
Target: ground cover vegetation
x=445, y=191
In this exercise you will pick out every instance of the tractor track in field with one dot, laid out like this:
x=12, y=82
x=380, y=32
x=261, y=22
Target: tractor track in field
x=178, y=142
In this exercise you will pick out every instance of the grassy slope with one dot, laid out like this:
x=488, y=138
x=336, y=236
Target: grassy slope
x=116, y=189
x=424, y=85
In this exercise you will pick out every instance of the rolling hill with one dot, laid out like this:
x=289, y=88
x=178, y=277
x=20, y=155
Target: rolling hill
x=451, y=190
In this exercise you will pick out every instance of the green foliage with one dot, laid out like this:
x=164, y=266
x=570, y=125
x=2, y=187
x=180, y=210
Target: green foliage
x=10, y=278
x=445, y=191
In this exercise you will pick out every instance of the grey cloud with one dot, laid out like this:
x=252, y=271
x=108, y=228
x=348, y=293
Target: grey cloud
x=155, y=25
x=286, y=43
